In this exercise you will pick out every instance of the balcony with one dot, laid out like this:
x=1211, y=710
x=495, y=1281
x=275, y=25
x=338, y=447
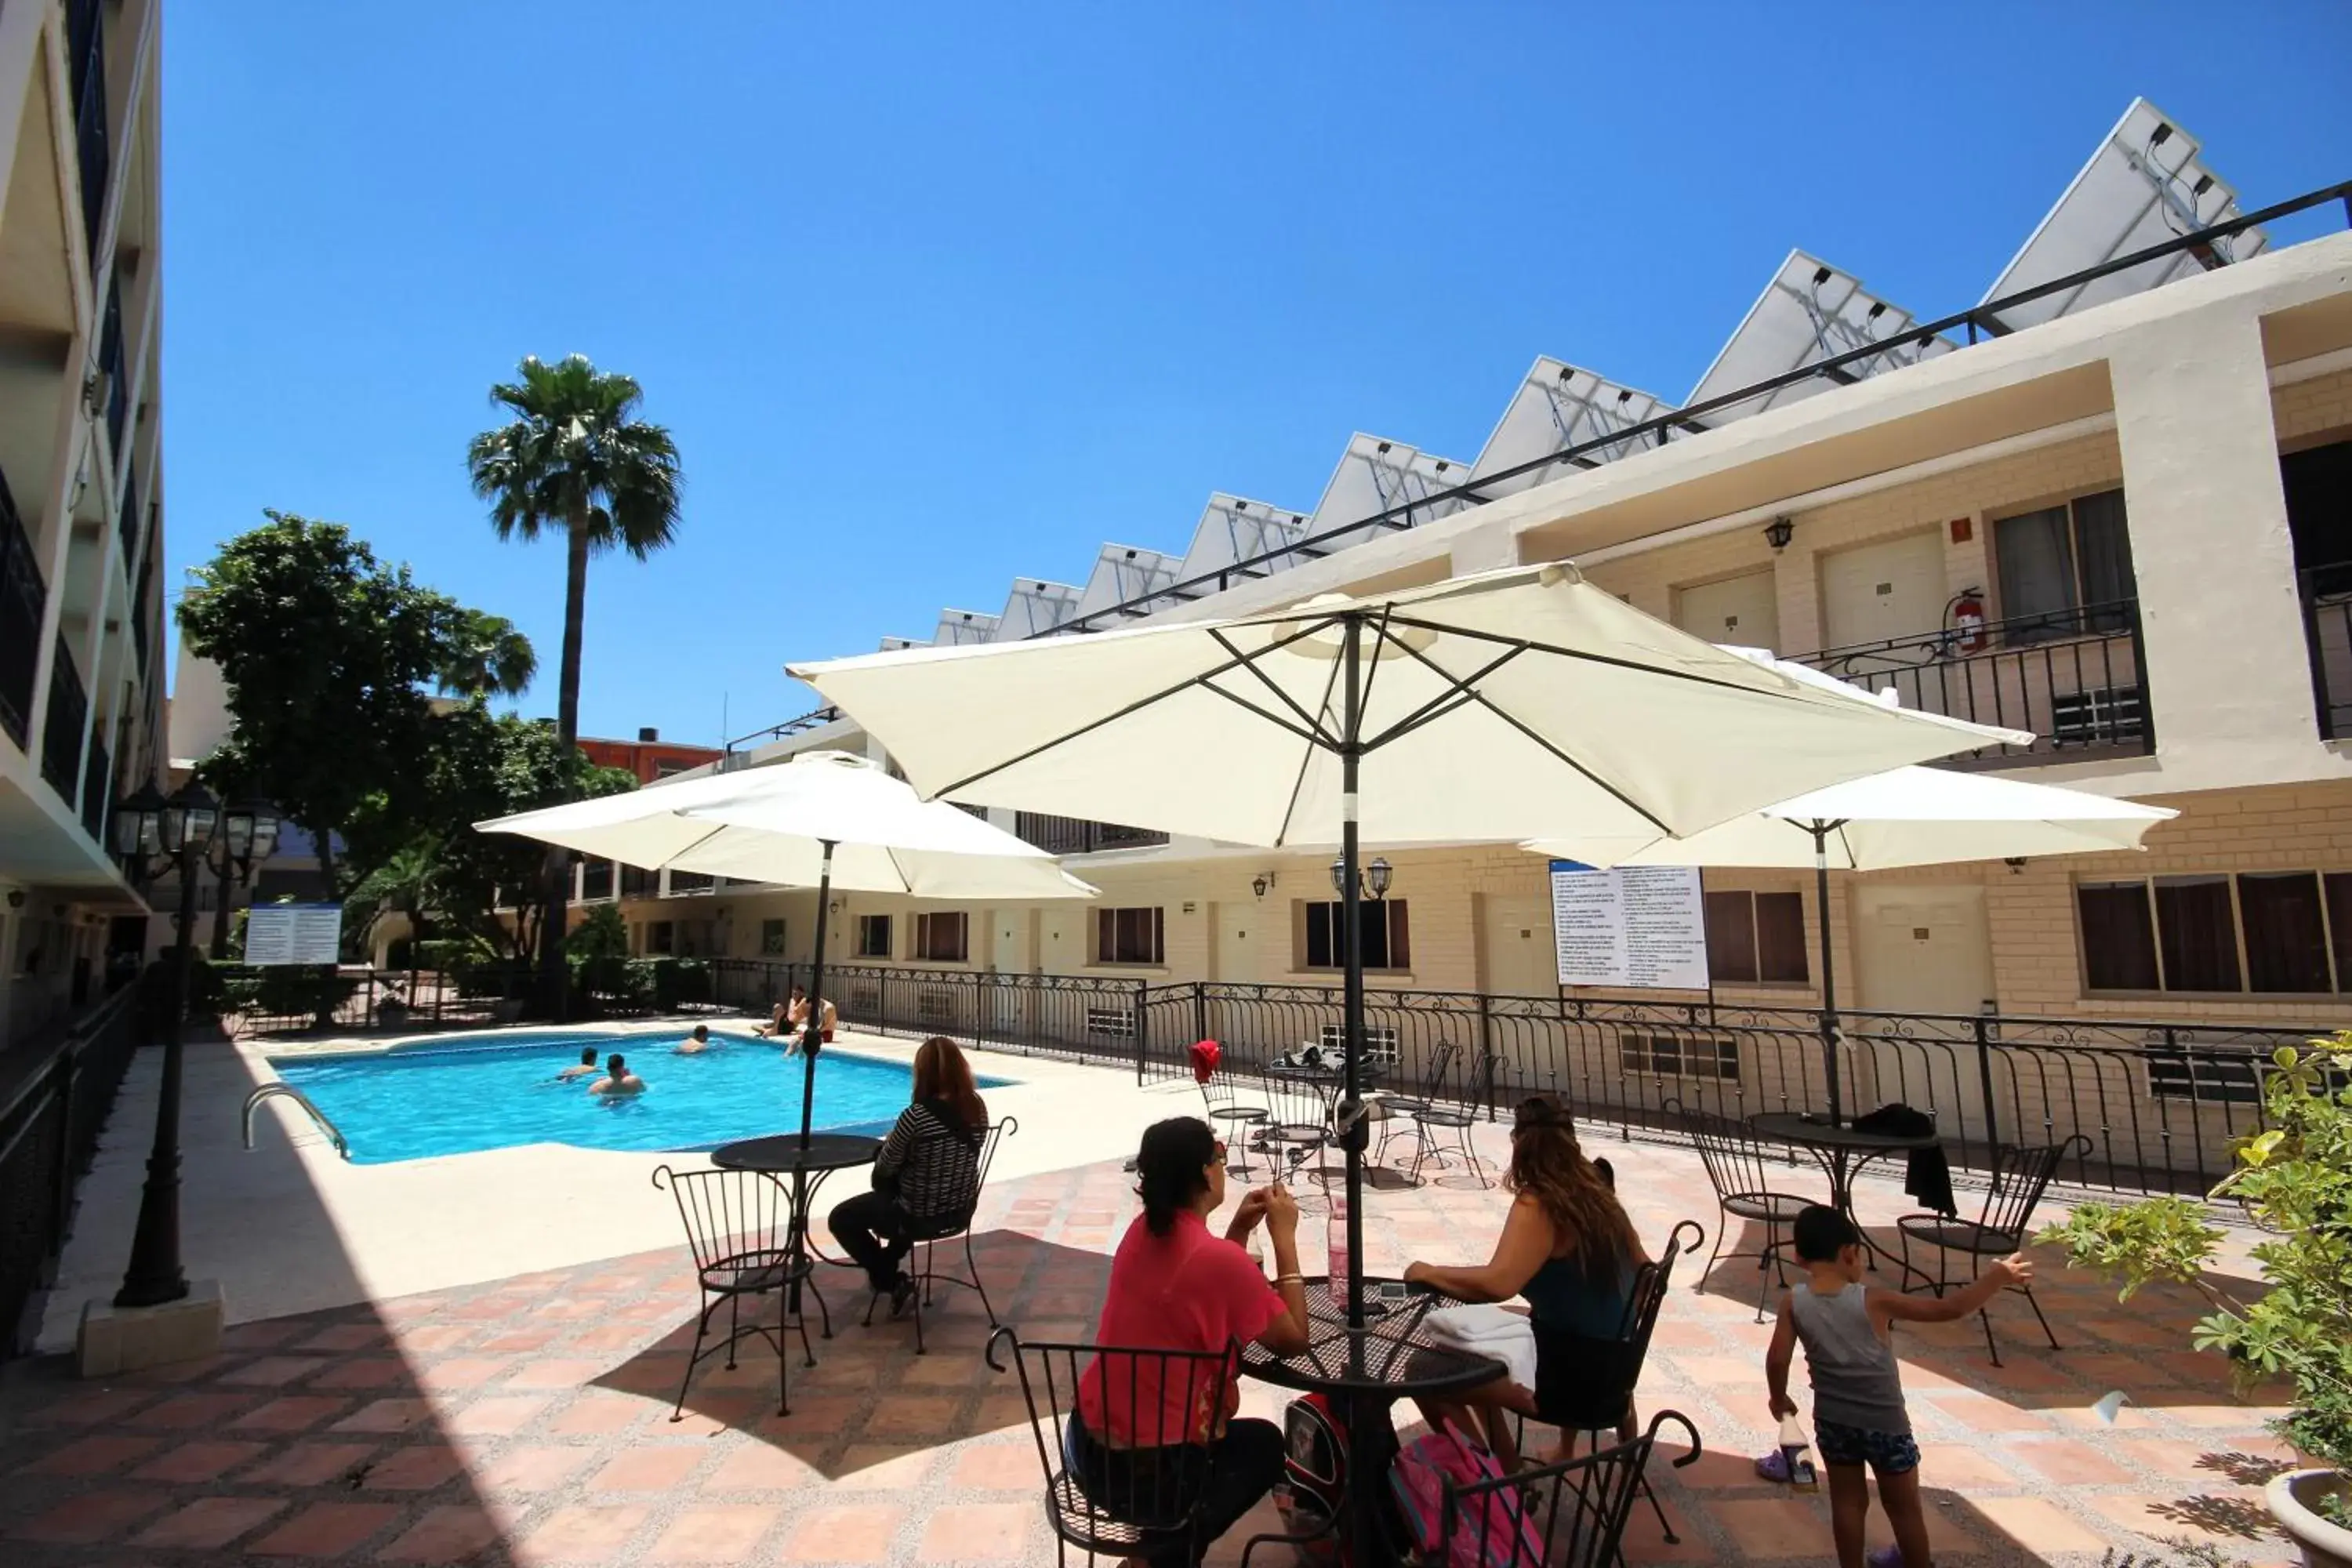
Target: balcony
x=684, y=882
x=109, y=365
x=1076, y=836
x=97, y=773
x=127, y=518
x=596, y=882
x=22, y=595
x=86, y=49
x=2073, y=676
x=636, y=882
x=61, y=731
x=2328, y=627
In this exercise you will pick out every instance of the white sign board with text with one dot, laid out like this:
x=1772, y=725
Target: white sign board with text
x=1637, y=926
x=293, y=933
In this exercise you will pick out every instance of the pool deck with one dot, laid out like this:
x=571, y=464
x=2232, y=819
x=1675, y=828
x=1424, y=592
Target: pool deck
x=521, y=1416
x=291, y=1227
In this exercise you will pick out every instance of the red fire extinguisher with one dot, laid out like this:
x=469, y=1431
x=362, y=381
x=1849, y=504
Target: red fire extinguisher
x=1966, y=616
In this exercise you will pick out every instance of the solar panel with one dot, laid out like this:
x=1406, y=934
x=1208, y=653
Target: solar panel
x=1233, y=529
x=899, y=645
x=2144, y=184
x=1559, y=407
x=958, y=627
x=1124, y=574
x=1809, y=313
x=1376, y=476
x=1035, y=605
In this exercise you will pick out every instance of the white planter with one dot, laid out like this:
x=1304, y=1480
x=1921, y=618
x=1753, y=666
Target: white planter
x=2293, y=1500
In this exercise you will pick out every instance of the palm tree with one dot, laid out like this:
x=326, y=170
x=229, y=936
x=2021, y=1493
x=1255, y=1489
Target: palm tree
x=574, y=459
x=488, y=658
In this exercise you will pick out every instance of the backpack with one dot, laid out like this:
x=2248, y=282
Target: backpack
x=1491, y=1531
x=1315, y=1476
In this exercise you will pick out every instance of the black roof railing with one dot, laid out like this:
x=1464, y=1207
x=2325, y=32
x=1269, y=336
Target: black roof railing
x=1975, y=321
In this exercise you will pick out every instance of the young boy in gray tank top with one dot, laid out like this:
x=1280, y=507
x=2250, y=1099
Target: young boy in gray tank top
x=1858, y=1413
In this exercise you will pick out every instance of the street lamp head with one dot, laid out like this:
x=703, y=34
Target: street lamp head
x=1382, y=873
x=236, y=833
x=1260, y=883
x=136, y=822
x=1339, y=877
x=265, y=833
x=188, y=819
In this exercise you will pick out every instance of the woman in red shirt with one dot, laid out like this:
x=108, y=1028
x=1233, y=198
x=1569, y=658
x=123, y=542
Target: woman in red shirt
x=1135, y=1445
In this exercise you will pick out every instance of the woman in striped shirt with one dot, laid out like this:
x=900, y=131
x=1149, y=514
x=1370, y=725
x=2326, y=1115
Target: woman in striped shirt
x=927, y=1175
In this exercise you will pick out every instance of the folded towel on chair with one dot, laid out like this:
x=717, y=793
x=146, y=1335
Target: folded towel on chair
x=1490, y=1332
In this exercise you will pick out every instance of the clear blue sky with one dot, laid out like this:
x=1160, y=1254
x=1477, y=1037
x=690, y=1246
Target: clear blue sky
x=935, y=297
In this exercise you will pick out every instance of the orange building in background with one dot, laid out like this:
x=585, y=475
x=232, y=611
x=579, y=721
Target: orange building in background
x=648, y=756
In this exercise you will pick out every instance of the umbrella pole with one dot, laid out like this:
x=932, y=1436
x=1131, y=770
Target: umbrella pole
x=1351, y=1111
x=1820, y=832
x=812, y=1039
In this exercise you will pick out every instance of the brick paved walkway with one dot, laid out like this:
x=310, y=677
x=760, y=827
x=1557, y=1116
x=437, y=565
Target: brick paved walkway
x=527, y=1421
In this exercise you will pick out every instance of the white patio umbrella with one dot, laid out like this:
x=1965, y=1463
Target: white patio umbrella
x=1509, y=705
x=1906, y=816
x=825, y=818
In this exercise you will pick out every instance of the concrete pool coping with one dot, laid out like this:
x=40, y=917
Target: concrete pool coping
x=291, y=1227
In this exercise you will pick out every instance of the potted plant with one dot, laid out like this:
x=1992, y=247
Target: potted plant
x=2294, y=1180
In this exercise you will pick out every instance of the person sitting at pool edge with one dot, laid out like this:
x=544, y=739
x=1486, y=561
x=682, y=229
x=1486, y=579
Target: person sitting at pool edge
x=1175, y=1285
x=1568, y=1247
x=928, y=1172
x=697, y=1043
x=584, y=1068
x=774, y=1026
x=618, y=1080
x=796, y=1023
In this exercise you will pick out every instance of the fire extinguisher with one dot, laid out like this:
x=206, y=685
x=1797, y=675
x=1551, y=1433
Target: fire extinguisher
x=1965, y=617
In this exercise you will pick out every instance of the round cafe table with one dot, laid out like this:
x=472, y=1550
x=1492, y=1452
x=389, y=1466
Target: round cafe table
x=1365, y=1371
x=1841, y=1149
x=783, y=1154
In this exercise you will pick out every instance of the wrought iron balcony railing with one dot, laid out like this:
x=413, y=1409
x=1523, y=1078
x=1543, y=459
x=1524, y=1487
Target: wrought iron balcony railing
x=1076, y=836
x=2075, y=678
x=61, y=731
x=86, y=38
x=2327, y=628
x=23, y=594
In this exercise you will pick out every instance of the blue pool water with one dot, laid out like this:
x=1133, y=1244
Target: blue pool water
x=466, y=1093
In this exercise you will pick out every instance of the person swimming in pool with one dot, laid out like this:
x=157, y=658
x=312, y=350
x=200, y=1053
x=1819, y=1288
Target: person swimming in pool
x=618, y=1081
x=697, y=1043
x=584, y=1068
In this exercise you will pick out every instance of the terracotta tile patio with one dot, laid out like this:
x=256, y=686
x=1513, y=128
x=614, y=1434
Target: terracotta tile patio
x=526, y=1421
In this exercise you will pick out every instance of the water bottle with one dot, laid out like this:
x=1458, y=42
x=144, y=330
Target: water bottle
x=1335, y=1237
x=1802, y=1476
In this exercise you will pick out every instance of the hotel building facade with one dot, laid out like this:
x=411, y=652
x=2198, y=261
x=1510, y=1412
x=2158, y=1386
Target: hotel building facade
x=81, y=490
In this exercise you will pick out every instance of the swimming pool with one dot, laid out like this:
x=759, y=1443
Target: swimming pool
x=466, y=1093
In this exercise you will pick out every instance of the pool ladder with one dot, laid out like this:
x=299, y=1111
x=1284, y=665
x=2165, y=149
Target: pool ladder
x=270, y=1090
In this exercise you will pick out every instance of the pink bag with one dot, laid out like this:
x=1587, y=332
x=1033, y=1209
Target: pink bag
x=1490, y=1530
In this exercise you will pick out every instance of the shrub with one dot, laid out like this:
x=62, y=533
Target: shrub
x=680, y=981
x=2294, y=1180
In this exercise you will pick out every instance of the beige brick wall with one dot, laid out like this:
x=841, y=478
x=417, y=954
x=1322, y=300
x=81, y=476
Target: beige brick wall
x=2320, y=407
x=1977, y=494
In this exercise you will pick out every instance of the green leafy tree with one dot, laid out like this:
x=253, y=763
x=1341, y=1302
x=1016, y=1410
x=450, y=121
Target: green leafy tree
x=487, y=766
x=328, y=656
x=577, y=460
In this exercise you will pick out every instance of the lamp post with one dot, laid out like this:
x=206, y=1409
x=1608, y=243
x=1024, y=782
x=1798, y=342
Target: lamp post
x=246, y=834
x=174, y=831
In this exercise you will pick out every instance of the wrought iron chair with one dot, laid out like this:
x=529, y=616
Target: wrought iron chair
x=1431, y=1123
x=1297, y=1123
x=1235, y=1120
x=2020, y=1175
x=1123, y=1510
x=1611, y=1405
x=1745, y=1189
x=952, y=1223
x=1578, y=1505
x=739, y=1227
x=1401, y=1109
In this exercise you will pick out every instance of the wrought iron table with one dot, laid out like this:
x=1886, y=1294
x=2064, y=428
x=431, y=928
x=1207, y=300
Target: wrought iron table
x=1842, y=1150
x=783, y=1155
x=1364, y=1371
